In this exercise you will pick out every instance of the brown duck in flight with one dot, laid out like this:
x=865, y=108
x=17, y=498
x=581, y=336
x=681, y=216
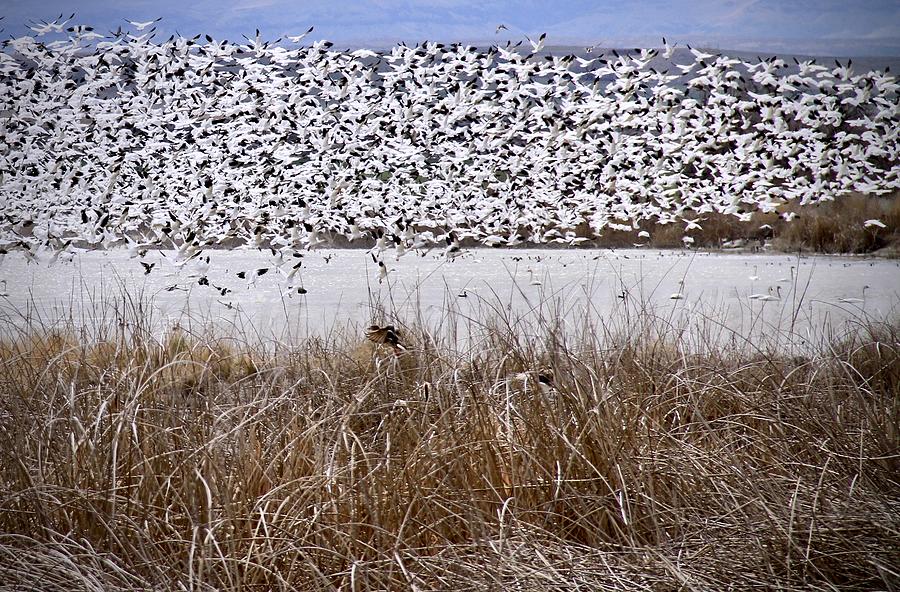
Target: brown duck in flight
x=387, y=335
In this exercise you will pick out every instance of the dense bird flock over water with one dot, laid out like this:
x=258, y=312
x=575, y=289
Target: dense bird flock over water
x=196, y=143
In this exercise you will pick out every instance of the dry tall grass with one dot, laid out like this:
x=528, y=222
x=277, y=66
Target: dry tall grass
x=194, y=462
x=839, y=226
x=829, y=227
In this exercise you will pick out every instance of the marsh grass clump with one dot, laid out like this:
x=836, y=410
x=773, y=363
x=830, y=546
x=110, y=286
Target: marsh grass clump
x=839, y=226
x=187, y=459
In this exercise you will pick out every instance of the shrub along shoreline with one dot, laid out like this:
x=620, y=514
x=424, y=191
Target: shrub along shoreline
x=833, y=227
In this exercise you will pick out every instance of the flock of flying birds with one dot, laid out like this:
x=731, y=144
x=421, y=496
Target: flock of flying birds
x=190, y=144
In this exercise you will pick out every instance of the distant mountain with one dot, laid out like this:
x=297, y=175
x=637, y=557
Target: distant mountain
x=861, y=63
x=683, y=56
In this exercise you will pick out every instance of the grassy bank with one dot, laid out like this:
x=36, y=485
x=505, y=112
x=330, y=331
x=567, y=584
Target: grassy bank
x=829, y=227
x=191, y=461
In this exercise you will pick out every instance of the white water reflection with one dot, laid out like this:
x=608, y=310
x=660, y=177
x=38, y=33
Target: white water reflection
x=585, y=287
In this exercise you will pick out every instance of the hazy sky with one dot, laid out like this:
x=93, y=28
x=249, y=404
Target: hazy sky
x=832, y=27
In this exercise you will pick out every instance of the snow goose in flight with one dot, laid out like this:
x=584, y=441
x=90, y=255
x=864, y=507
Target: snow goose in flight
x=700, y=55
x=668, y=50
x=299, y=38
x=538, y=45
x=140, y=26
x=43, y=27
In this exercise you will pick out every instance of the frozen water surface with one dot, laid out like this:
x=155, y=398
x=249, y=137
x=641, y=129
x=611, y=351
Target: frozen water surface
x=807, y=295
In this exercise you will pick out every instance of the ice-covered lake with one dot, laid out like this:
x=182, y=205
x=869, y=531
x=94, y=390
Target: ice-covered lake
x=801, y=295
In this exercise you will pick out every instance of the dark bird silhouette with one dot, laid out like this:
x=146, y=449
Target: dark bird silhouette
x=387, y=335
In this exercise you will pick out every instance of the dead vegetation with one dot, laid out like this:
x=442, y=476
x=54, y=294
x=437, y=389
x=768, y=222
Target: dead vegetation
x=191, y=461
x=837, y=226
